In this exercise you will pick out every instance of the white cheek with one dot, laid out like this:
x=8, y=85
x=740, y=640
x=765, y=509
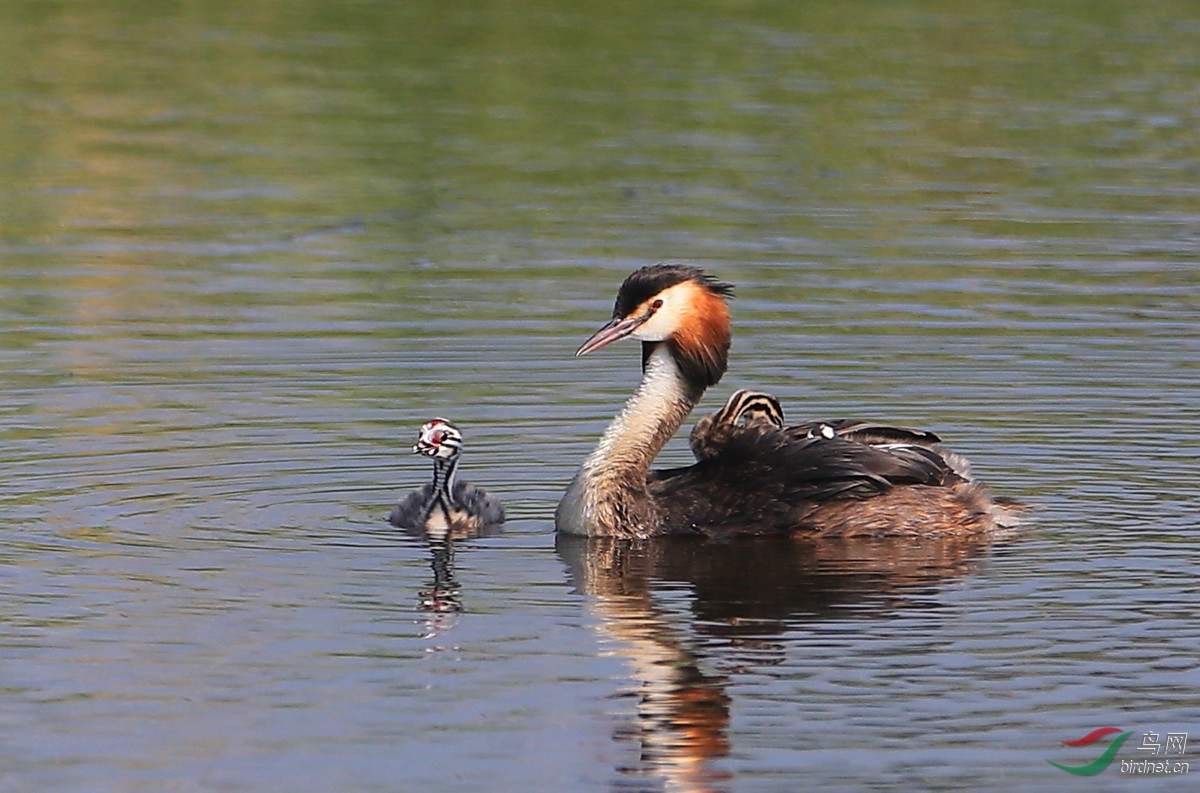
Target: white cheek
x=648, y=332
x=658, y=328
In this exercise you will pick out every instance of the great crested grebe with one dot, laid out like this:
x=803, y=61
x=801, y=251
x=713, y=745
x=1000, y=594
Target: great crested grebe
x=832, y=479
x=447, y=506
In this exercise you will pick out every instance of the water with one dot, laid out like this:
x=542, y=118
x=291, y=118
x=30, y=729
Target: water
x=246, y=249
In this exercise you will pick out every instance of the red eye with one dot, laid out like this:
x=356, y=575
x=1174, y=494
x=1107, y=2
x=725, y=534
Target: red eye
x=656, y=305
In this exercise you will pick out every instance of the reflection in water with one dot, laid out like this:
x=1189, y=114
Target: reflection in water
x=442, y=602
x=444, y=596
x=744, y=588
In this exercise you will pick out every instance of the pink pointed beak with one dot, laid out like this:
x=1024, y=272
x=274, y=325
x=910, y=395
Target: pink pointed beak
x=615, y=330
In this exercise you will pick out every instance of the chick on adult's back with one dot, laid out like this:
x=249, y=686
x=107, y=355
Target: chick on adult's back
x=714, y=431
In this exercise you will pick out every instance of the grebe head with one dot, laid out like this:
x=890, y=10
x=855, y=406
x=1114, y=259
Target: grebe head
x=746, y=407
x=676, y=304
x=439, y=438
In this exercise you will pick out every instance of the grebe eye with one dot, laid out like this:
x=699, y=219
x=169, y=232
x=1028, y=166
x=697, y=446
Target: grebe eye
x=656, y=305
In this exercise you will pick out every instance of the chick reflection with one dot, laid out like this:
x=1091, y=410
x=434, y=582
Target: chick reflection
x=745, y=594
x=445, y=594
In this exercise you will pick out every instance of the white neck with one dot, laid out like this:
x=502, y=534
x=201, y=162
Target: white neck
x=608, y=496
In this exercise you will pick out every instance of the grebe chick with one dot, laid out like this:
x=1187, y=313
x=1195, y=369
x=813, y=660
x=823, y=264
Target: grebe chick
x=743, y=408
x=749, y=408
x=447, y=506
x=830, y=479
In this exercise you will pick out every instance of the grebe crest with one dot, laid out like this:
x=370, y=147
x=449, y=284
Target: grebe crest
x=448, y=506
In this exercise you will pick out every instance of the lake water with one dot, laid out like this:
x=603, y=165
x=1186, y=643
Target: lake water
x=246, y=249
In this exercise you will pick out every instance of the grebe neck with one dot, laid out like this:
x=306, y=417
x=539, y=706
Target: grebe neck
x=609, y=494
x=441, y=497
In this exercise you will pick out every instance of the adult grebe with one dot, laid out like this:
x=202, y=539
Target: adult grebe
x=823, y=478
x=447, y=506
